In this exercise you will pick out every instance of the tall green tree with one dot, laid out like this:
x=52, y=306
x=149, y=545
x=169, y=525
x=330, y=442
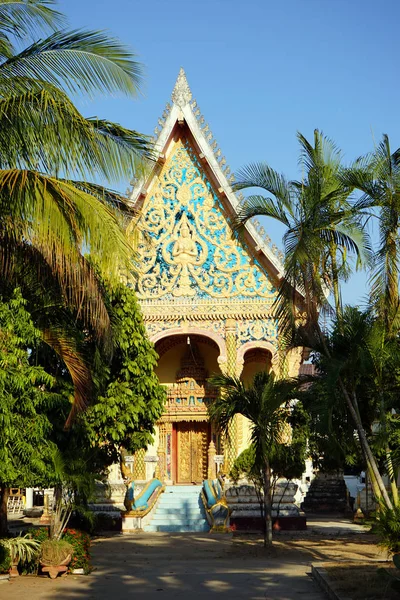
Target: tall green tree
x=319, y=220
x=52, y=217
x=264, y=404
x=377, y=176
x=25, y=399
x=321, y=227
x=130, y=398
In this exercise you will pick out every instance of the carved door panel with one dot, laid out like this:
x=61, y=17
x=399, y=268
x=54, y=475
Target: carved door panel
x=192, y=452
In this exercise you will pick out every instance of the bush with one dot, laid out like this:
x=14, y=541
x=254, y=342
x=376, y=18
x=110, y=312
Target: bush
x=54, y=552
x=31, y=567
x=107, y=522
x=387, y=527
x=80, y=542
x=5, y=559
x=40, y=534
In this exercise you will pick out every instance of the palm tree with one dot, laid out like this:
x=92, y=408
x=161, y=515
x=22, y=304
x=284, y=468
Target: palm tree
x=263, y=404
x=320, y=221
x=377, y=176
x=321, y=226
x=55, y=222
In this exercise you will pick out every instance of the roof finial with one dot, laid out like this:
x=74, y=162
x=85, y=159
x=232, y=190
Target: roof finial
x=181, y=94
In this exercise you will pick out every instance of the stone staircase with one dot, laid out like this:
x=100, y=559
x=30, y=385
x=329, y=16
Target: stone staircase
x=179, y=509
x=326, y=494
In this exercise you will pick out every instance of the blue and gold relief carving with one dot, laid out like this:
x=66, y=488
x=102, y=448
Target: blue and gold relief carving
x=186, y=246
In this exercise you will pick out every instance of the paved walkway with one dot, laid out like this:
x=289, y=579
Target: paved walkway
x=189, y=566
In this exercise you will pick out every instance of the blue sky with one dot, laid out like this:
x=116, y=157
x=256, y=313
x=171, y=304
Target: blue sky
x=261, y=71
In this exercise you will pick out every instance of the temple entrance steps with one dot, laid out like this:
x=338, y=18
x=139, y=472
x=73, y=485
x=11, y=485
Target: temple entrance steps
x=179, y=509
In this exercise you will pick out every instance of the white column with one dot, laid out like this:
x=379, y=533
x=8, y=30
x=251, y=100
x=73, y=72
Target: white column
x=29, y=498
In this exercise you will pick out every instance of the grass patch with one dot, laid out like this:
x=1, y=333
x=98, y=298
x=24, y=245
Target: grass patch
x=362, y=582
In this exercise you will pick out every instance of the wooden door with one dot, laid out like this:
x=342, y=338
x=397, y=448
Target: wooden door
x=192, y=444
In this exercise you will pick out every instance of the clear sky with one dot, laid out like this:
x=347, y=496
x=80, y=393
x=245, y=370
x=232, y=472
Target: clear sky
x=261, y=71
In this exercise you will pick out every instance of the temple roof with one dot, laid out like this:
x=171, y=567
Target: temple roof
x=185, y=112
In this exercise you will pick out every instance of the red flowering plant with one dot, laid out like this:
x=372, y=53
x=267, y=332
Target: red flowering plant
x=81, y=544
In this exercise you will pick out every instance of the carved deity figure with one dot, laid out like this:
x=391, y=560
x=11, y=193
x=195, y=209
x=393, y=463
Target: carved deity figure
x=184, y=250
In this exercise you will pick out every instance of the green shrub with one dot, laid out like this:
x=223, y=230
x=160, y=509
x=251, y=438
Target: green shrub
x=80, y=541
x=39, y=534
x=21, y=548
x=106, y=522
x=31, y=567
x=387, y=527
x=5, y=559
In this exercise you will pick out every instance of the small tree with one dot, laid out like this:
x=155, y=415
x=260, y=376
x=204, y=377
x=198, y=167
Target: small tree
x=264, y=404
x=25, y=397
x=286, y=460
x=130, y=398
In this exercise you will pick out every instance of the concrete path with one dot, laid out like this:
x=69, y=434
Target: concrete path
x=189, y=566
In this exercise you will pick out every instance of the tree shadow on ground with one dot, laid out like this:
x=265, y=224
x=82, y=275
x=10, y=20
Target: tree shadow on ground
x=176, y=566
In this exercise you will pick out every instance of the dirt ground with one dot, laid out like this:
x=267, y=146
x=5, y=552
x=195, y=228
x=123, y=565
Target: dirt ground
x=203, y=566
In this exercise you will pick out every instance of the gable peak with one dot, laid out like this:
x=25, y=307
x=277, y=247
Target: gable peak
x=181, y=94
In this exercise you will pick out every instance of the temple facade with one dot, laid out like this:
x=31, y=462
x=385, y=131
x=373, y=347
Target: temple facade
x=205, y=294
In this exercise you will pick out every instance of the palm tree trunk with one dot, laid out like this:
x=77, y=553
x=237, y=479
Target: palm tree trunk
x=392, y=476
x=365, y=447
x=335, y=283
x=4, y=494
x=267, y=505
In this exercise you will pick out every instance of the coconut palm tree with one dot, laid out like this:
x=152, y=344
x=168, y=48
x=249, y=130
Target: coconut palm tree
x=361, y=358
x=263, y=404
x=321, y=227
x=377, y=176
x=320, y=222
x=54, y=221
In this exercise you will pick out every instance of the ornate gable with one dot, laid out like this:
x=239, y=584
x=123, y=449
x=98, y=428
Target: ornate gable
x=186, y=247
x=194, y=274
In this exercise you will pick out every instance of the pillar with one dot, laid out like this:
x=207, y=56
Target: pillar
x=139, y=466
x=230, y=447
x=29, y=498
x=211, y=471
x=160, y=469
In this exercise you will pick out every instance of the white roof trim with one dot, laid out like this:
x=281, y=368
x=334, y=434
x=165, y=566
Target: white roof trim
x=183, y=109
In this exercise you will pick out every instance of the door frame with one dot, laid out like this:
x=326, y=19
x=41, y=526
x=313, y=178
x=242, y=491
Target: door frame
x=174, y=461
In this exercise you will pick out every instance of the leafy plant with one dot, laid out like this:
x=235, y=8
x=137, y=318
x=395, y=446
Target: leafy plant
x=54, y=552
x=5, y=559
x=80, y=543
x=25, y=392
x=23, y=548
x=262, y=403
x=387, y=527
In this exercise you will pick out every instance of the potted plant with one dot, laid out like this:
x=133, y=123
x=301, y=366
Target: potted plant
x=55, y=556
x=20, y=548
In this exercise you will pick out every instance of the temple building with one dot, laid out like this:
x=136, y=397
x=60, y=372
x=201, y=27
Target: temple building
x=206, y=295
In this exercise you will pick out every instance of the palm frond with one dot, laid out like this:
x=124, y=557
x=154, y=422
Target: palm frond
x=63, y=344
x=261, y=206
x=22, y=18
x=83, y=62
x=65, y=225
x=41, y=129
x=261, y=175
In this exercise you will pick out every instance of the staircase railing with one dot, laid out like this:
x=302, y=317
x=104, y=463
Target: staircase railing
x=215, y=504
x=143, y=504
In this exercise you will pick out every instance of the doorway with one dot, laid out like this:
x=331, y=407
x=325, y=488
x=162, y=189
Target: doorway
x=192, y=440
